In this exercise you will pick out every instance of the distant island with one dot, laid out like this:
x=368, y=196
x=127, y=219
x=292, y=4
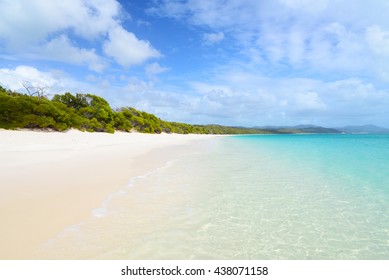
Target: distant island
x=310, y=128
x=364, y=129
x=88, y=112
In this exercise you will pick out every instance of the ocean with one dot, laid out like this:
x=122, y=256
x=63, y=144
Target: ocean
x=265, y=197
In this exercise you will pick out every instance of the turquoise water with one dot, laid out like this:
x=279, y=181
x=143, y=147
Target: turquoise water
x=251, y=197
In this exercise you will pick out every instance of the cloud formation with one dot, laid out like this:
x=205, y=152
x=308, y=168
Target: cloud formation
x=55, y=30
x=126, y=49
x=320, y=61
x=155, y=69
x=32, y=21
x=325, y=35
x=12, y=78
x=213, y=38
x=62, y=49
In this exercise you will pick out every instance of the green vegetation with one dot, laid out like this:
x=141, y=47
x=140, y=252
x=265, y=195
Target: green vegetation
x=88, y=112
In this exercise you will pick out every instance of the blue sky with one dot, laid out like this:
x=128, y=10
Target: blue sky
x=231, y=62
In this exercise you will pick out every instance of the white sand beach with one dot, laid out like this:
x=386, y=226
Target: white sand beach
x=50, y=180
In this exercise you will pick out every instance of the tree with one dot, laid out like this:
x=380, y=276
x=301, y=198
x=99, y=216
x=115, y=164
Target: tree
x=77, y=101
x=39, y=91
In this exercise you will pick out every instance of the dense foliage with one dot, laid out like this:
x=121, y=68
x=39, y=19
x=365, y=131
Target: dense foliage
x=89, y=112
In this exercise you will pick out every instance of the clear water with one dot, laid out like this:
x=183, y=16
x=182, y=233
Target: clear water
x=248, y=197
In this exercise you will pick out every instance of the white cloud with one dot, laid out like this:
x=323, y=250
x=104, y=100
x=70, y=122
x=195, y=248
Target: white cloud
x=309, y=101
x=213, y=38
x=57, y=30
x=31, y=21
x=297, y=46
x=12, y=78
x=378, y=39
x=235, y=97
x=239, y=96
x=306, y=5
x=144, y=23
x=62, y=49
x=214, y=14
x=127, y=49
x=317, y=36
x=55, y=81
x=155, y=69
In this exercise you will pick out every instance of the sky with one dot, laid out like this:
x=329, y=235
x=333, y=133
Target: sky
x=229, y=62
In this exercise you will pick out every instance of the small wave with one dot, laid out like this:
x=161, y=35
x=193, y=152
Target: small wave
x=103, y=210
x=99, y=212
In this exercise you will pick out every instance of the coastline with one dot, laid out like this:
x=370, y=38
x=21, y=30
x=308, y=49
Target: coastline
x=51, y=180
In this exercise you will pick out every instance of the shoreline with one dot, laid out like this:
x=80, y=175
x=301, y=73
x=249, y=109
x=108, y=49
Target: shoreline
x=51, y=180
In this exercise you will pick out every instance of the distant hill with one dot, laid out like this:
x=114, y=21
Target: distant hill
x=319, y=129
x=302, y=128
x=310, y=128
x=369, y=128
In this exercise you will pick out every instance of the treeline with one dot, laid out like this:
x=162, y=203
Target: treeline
x=88, y=112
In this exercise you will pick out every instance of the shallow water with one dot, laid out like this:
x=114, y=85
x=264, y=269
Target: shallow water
x=247, y=197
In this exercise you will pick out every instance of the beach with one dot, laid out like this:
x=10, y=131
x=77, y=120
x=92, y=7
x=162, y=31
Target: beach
x=131, y=196
x=52, y=180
